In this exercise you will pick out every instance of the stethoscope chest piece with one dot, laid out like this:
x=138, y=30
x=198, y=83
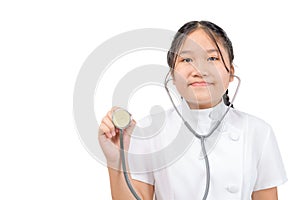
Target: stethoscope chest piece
x=121, y=118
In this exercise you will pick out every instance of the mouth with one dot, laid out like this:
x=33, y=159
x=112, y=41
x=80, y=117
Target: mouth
x=200, y=84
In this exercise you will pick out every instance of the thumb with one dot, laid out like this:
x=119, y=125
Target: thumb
x=127, y=134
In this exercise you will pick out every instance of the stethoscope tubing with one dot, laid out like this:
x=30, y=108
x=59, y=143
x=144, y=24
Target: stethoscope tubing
x=203, y=137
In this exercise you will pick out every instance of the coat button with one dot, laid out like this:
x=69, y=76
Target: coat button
x=234, y=136
x=232, y=188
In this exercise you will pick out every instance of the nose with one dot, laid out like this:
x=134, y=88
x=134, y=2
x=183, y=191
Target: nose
x=199, y=70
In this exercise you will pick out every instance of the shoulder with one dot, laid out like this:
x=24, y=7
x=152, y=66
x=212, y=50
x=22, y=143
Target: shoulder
x=250, y=122
x=156, y=118
x=148, y=128
x=255, y=131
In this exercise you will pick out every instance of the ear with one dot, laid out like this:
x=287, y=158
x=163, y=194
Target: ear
x=231, y=71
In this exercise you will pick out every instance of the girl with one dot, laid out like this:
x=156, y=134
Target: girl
x=243, y=155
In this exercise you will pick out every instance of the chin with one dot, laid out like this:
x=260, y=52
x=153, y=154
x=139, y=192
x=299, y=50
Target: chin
x=200, y=101
x=203, y=102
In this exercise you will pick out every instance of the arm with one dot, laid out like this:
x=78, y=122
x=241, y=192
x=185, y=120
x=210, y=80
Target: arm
x=109, y=140
x=267, y=194
x=119, y=189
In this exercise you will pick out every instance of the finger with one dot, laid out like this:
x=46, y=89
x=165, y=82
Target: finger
x=110, y=113
x=104, y=130
x=109, y=125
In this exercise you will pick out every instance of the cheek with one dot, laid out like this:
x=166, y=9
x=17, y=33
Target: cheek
x=180, y=83
x=222, y=83
x=179, y=77
x=225, y=84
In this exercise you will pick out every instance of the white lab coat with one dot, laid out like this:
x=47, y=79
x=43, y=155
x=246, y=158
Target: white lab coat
x=243, y=155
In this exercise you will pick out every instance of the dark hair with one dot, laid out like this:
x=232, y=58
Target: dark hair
x=214, y=32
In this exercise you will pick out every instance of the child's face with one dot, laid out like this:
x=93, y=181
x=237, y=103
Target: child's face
x=200, y=75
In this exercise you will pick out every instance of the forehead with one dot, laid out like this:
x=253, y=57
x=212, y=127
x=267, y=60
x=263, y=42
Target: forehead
x=198, y=40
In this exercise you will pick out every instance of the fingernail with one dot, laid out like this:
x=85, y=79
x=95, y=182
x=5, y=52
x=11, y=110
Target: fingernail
x=114, y=133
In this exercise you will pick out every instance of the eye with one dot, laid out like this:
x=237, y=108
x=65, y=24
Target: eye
x=212, y=58
x=188, y=60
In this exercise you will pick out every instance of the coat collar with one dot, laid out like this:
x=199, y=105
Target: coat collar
x=199, y=118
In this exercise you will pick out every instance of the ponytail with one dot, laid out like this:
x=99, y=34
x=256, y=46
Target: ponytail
x=226, y=99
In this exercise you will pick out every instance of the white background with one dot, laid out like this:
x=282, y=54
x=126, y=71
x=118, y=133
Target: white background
x=43, y=45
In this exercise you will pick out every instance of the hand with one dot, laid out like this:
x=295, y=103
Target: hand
x=109, y=139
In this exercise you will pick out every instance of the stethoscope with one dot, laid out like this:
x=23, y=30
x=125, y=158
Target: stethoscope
x=210, y=132
x=122, y=118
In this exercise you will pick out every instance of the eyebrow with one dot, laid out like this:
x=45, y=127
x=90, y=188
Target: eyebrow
x=212, y=50
x=189, y=51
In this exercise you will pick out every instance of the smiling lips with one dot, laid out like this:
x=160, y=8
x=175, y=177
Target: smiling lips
x=200, y=83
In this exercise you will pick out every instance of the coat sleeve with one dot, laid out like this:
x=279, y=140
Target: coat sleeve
x=270, y=168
